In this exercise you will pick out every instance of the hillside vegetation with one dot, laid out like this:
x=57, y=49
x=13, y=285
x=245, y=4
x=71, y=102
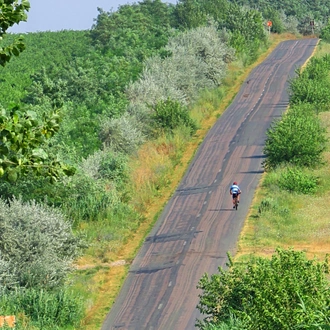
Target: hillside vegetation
x=132, y=97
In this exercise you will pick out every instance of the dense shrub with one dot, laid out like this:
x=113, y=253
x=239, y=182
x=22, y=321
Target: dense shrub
x=122, y=134
x=106, y=164
x=325, y=32
x=296, y=180
x=169, y=115
x=298, y=138
x=285, y=292
x=87, y=199
x=37, y=246
x=312, y=85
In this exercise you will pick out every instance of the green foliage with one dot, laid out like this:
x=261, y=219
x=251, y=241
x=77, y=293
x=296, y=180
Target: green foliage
x=78, y=135
x=48, y=310
x=97, y=186
x=232, y=324
x=325, y=32
x=248, y=24
x=301, y=10
x=107, y=164
x=11, y=12
x=312, y=85
x=298, y=138
x=287, y=291
x=189, y=14
x=270, y=14
x=245, y=25
x=294, y=179
x=134, y=31
x=266, y=205
x=43, y=50
x=22, y=135
x=37, y=246
x=169, y=115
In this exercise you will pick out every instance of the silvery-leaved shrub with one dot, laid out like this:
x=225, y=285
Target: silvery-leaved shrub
x=121, y=134
x=198, y=61
x=106, y=164
x=37, y=245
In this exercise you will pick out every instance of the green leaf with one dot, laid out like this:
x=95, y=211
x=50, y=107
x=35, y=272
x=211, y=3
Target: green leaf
x=12, y=175
x=39, y=153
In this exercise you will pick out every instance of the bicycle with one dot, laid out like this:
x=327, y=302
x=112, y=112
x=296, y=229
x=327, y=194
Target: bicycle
x=235, y=199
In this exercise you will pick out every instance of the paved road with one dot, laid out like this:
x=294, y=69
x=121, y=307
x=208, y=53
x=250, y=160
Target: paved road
x=198, y=226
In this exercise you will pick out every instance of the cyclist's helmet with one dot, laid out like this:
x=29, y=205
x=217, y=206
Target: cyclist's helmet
x=235, y=182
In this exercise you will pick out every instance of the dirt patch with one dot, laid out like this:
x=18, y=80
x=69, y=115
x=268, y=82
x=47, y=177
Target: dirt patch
x=111, y=264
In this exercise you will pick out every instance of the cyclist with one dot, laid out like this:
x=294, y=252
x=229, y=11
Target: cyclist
x=235, y=191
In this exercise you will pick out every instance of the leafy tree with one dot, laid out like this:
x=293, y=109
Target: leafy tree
x=248, y=24
x=43, y=50
x=11, y=12
x=133, y=31
x=298, y=138
x=290, y=23
x=325, y=32
x=287, y=291
x=189, y=14
x=312, y=85
x=245, y=25
x=274, y=16
x=22, y=135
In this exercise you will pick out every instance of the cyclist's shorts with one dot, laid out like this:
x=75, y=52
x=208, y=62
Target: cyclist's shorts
x=235, y=195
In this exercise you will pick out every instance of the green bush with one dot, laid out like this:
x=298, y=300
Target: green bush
x=87, y=199
x=285, y=292
x=168, y=115
x=312, y=85
x=296, y=180
x=122, y=134
x=232, y=324
x=298, y=139
x=267, y=204
x=325, y=32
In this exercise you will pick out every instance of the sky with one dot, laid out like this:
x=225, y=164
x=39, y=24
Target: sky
x=50, y=15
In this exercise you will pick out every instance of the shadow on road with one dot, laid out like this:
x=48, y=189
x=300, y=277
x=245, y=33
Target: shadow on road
x=253, y=172
x=218, y=210
x=255, y=156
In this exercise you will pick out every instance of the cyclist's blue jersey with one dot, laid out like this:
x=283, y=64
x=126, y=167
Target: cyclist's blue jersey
x=234, y=189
